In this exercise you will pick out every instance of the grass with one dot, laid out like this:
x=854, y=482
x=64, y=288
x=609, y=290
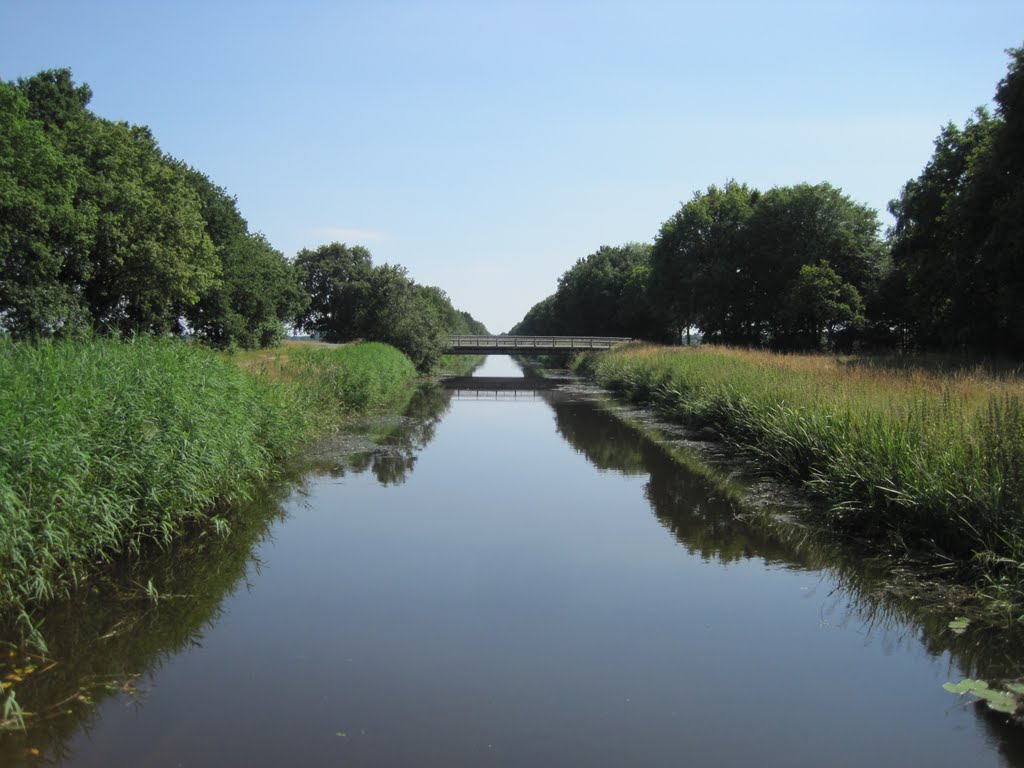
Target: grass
x=110, y=447
x=930, y=462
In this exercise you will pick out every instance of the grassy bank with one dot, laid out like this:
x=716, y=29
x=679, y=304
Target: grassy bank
x=931, y=463
x=108, y=447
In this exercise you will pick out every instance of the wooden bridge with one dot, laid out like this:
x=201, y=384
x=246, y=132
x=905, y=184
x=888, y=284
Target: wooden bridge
x=529, y=345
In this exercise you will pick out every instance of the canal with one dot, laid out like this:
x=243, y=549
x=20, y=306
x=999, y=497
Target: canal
x=511, y=577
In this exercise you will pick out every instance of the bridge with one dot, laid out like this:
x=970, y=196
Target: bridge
x=529, y=345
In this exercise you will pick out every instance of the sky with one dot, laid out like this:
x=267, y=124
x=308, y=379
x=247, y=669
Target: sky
x=487, y=146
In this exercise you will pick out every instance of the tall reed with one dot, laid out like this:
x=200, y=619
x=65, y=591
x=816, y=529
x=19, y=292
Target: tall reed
x=931, y=462
x=109, y=446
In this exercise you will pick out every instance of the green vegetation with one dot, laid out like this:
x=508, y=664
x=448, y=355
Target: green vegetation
x=604, y=294
x=353, y=299
x=804, y=267
x=931, y=464
x=108, y=447
x=102, y=232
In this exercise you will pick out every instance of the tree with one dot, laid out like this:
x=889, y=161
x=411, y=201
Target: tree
x=697, y=277
x=798, y=226
x=257, y=292
x=336, y=278
x=941, y=224
x=540, y=320
x=592, y=295
x=958, y=241
x=818, y=302
x=42, y=235
x=147, y=251
x=352, y=299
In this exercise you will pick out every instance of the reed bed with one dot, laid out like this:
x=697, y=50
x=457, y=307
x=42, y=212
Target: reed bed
x=930, y=462
x=107, y=447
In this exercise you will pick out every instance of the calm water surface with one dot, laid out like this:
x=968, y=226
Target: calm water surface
x=514, y=578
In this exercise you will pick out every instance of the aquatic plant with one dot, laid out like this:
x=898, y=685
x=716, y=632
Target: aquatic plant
x=108, y=447
x=929, y=462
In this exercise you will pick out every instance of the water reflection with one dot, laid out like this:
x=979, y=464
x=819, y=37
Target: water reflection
x=117, y=639
x=113, y=638
x=388, y=448
x=715, y=514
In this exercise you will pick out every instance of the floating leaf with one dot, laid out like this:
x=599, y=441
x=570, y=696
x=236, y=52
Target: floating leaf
x=1000, y=701
x=959, y=624
x=1016, y=688
x=966, y=686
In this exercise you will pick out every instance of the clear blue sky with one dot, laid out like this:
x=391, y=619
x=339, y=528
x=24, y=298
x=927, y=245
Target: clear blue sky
x=487, y=146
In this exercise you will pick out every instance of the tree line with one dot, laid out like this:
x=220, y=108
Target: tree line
x=805, y=266
x=103, y=232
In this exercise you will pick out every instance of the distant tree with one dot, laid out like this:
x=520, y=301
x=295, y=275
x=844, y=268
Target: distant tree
x=958, y=241
x=43, y=237
x=697, y=265
x=469, y=325
x=257, y=289
x=817, y=303
x=798, y=226
x=350, y=298
x=336, y=278
x=405, y=315
x=247, y=306
x=941, y=225
x=593, y=295
x=540, y=320
x=147, y=252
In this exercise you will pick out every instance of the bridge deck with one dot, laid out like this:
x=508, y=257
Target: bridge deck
x=511, y=345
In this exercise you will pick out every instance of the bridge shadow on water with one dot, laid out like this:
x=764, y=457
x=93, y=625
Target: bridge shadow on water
x=512, y=387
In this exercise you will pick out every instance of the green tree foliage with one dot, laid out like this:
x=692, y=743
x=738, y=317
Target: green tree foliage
x=937, y=240
x=101, y=229
x=803, y=225
x=958, y=241
x=134, y=248
x=151, y=254
x=604, y=294
x=336, y=278
x=42, y=234
x=816, y=303
x=540, y=320
x=697, y=279
x=729, y=260
x=257, y=289
x=350, y=298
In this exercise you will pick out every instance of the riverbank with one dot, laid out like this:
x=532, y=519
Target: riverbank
x=928, y=465
x=108, y=448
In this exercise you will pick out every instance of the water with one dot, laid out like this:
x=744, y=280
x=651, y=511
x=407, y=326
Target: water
x=513, y=578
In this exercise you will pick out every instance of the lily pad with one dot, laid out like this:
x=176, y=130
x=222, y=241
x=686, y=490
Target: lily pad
x=966, y=686
x=959, y=624
x=1000, y=701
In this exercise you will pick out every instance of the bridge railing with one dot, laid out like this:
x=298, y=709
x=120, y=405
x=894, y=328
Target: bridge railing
x=536, y=342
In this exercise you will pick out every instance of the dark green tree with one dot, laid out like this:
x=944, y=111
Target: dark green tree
x=247, y=306
x=336, y=278
x=604, y=294
x=148, y=252
x=818, y=302
x=958, y=241
x=699, y=273
x=540, y=320
x=937, y=239
x=257, y=289
x=42, y=235
x=798, y=226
